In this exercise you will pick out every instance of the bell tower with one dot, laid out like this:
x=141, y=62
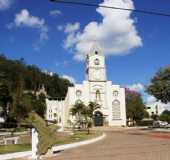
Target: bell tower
x=95, y=65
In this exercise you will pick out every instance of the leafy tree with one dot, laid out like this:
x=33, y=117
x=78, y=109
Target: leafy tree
x=21, y=108
x=165, y=116
x=154, y=116
x=134, y=106
x=32, y=78
x=39, y=107
x=79, y=110
x=160, y=85
x=17, y=79
x=5, y=99
x=84, y=114
x=92, y=106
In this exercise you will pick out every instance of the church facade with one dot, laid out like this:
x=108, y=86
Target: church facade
x=95, y=88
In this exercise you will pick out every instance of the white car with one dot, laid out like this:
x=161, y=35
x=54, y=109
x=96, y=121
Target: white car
x=159, y=124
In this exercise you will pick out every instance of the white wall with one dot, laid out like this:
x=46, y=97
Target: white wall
x=88, y=89
x=54, y=107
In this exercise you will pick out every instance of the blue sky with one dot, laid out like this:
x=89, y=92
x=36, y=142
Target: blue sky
x=41, y=38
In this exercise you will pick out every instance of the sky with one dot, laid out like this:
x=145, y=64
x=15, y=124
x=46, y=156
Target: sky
x=56, y=37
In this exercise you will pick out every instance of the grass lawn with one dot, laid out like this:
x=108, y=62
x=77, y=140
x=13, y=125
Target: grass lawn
x=14, y=148
x=77, y=136
x=60, y=139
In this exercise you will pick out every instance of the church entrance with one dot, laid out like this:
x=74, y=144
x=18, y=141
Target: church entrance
x=98, y=119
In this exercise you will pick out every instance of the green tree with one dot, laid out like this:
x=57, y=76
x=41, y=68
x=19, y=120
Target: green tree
x=165, y=116
x=25, y=104
x=39, y=105
x=32, y=78
x=84, y=114
x=160, y=85
x=79, y=110
x=17, y=79
x=92, y=106
x=5, y=99
x=135, y=107
x=22, y=107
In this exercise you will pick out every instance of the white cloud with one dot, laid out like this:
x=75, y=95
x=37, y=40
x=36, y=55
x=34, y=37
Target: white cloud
x=5, y=4
x=71, y=79
x=116, y=33
x=136, y=87
x=167, y=106
x=25, y=19
x=55, y=12
x=150, y=99
x=70, y=28
x=71, y=39
x=62, y=64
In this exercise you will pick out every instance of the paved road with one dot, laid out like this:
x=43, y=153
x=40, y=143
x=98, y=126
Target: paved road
x=121, y=146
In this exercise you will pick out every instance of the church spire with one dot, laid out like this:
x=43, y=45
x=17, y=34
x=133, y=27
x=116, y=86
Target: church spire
x=95, y=64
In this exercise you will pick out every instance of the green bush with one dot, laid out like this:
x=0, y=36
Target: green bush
x=47, y=134
x=165, y=117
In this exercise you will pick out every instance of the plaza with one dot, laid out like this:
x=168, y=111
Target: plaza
x=122, y=144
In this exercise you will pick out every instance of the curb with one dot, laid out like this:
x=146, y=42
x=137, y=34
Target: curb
x=15, y=155
x=77, y=144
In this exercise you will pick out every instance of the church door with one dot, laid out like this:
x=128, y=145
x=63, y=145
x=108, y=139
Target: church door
x=98, y=119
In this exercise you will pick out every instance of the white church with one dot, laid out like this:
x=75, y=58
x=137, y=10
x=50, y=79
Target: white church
x=95, y=88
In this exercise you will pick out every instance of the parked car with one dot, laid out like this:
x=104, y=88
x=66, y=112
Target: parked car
x=160, y=124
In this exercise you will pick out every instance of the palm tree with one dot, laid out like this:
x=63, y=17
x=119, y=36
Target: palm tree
x=92, y=107
x=84, y=114
x=79, y=110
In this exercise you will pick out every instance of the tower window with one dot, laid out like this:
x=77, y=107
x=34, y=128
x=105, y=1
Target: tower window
x=96, y=61
x=115, y=93
x=96, y=52
x=98, y=96
x=78, y=93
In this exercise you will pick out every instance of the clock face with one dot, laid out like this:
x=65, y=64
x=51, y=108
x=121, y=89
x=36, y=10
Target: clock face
x=97, y=74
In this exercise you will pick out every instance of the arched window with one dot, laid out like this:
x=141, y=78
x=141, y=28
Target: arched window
x=115, y=93
x=116, y=113
x=96, y=61
x=55, y=115
x=98, y=97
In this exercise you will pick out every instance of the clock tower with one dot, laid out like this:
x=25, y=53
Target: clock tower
x=95, y=65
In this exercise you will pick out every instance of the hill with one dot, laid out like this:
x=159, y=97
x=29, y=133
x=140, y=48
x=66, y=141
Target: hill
x=19, y=85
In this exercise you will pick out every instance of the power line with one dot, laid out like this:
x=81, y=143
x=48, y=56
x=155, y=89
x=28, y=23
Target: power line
x=156, y=13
